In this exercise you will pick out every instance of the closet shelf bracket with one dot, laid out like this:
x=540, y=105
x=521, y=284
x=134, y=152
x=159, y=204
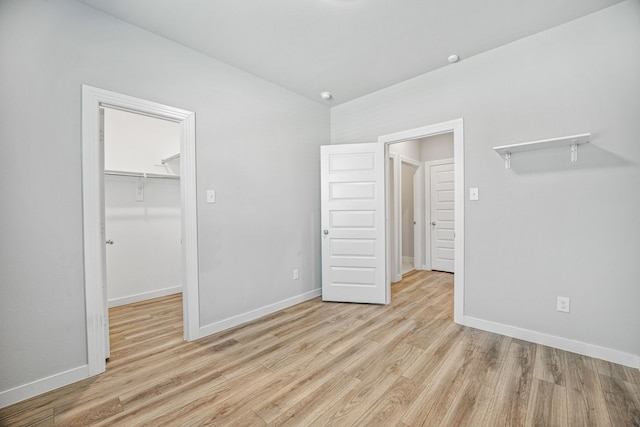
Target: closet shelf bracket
x=168, y=159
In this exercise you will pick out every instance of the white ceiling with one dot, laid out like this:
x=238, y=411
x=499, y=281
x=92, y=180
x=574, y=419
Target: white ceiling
x=348, y=47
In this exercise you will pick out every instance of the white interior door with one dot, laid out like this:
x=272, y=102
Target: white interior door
x=353, y=223
x=442, y=217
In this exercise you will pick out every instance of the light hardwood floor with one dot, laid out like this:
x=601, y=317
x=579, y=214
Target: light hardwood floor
x=328, y=364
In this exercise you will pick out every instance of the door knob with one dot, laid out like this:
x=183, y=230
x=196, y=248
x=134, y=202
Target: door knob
x=109, y=242
x=433, y=223
x=326, y=232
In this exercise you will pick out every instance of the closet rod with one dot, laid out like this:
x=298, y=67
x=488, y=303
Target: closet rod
x=140, y=174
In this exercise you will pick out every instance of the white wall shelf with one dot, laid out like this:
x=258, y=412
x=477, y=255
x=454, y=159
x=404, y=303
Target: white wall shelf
x=572, y=141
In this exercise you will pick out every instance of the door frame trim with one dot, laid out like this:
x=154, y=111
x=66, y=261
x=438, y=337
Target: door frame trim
x=93, y=213
x=457, y=127
x=392, y=209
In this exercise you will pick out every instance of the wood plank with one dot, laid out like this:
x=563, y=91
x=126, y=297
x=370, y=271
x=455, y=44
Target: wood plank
x=550, y=365
x=504, y=397
x=587, y=405
x=313, y=405
x=622, y=399
x=390, y=407
x=547, y=404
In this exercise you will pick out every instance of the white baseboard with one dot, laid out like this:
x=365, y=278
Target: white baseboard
x=230, y=322
x=579, y=347
x=115, y=302
x=26, y=391
x=408, y=259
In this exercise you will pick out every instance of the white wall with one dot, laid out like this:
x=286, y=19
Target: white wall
x=257, y=145
x=437, y=147
x=410, y=149
x=138, y=143
x=145, y=260
x=546, y=227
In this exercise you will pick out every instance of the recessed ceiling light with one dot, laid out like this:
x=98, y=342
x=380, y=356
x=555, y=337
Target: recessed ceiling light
x=453, y=58
x=326, y=95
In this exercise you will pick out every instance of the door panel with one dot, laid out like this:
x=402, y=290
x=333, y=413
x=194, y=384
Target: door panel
x=442, y=217
x=365, y=220
x=353, y=223
x=362, y=248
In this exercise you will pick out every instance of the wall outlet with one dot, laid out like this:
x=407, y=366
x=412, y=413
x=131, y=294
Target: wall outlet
x=563, y=304
x=295, y=274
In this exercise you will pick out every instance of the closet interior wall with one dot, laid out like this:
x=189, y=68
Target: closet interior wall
x=142, y=207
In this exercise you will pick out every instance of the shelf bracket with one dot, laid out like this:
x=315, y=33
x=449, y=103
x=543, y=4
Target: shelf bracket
x=507, y=160
x=574, y=153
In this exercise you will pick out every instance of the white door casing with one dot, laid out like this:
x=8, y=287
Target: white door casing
x=353, y=223
x=103, y=230
x=394, y=260
x=93, y=214
x=419, y=215
x=442, y=182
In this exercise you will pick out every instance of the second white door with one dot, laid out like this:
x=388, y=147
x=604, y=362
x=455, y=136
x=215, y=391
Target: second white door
x=442, y=217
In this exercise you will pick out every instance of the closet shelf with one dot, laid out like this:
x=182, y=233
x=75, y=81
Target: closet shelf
x=141, y=174
x=572, y=141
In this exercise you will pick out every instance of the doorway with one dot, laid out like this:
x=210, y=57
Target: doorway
x=422, y=198
x=408, y=217
x=142, y=208
x=405, y=209
x=357, y=250
x=454, y=129
x=93, y=101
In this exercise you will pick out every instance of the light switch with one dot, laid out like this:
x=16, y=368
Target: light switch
x=473, y=194
x=140, y=190
x=211, y=196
